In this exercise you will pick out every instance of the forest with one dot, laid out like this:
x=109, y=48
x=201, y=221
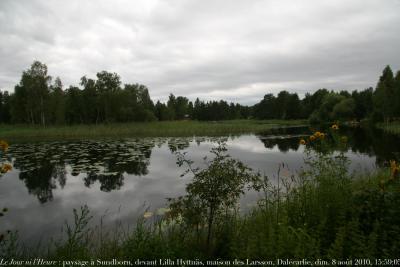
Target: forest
x=38, y=99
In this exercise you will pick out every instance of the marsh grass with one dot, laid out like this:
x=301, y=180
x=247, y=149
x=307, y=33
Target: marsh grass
x=145, y=129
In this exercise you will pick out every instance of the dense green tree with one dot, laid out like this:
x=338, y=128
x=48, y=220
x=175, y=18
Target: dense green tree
x=266, y=109
x=363, y=103
x=397, y=94
x=182, y=107
x=325, y=111
x=344, y=109
x=108, y=86
x=91, y=112
x=5, y=116
x=18, y=109
x=102, y=100
x=171, y=104
x=56, y=104
x=287, y=106
x=32, y=95
x=74, y=106
x=162, y=112
x=384, y=96
x=312, y=102
x=144, y=110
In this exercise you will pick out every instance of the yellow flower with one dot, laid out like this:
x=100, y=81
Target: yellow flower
x=6, y=167
x=302, y=142
x=394, y=169
x=335, y=127
x=312, y=138
x=3, y=145
x=319, y=135
x=393, y=164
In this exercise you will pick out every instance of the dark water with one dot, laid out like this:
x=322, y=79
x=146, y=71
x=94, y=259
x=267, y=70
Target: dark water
x=119, y=179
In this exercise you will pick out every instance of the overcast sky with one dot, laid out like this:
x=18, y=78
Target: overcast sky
x=236, y=50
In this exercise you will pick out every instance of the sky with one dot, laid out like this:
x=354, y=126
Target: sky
x=237, y=50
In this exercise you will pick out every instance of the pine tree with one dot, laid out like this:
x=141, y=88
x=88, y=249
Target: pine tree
x=384, y=97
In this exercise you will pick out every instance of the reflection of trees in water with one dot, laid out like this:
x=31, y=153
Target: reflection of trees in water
x=180, y=143
x=283, y=143
x=40, y=174
x=176, y=144
x=366, y=140
x=43, y=165
x=40, y=182
x=108, y=182
x=374, y=142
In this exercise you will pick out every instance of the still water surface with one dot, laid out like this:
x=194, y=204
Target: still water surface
x=119, y=179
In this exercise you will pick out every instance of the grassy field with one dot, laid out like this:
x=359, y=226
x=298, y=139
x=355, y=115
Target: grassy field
x=167, y=128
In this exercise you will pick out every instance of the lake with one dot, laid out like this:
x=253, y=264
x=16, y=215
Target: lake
x=120, y=179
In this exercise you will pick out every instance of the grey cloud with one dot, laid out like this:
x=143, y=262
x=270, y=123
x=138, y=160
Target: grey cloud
x=237, y=50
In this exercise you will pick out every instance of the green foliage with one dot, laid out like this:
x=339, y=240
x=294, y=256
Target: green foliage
x=344, y=109
x=5, y=103
x=105, y=100
x=78, y=237
x=32, y=96
x=214, y=190
x=218, y=110
x=363, y=103
x=285, y=106
x=384, y=95
x=325, y=112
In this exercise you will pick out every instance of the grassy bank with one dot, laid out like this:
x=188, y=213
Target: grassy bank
x=393, y=127
x=167, y=128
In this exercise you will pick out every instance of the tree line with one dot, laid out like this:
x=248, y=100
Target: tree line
x=40, y=100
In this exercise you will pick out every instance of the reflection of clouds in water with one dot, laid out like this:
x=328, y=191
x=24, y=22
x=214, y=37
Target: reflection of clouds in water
x=149, y=175
x=252, y=151
x=246, y=143
x=360, y=162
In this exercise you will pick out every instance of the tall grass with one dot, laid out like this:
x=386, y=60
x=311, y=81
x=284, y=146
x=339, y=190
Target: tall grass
x=164, y=128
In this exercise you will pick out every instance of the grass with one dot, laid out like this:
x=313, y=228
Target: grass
x=393, y=127
x=151, y=129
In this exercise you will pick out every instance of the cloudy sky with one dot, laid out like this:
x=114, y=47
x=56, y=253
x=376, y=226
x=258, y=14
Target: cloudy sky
x=236, y=50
